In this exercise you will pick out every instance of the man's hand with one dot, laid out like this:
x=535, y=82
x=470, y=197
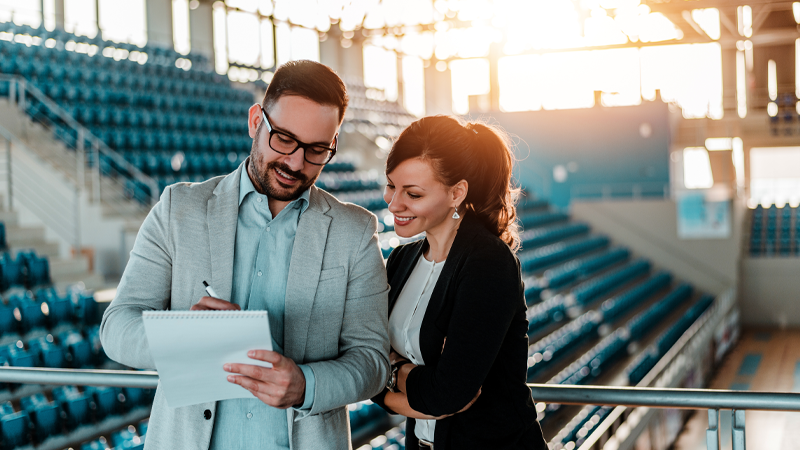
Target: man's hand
x=214, y=304
x=282, y=386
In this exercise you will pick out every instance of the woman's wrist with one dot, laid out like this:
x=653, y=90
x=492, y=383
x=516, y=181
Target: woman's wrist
x=402, y=375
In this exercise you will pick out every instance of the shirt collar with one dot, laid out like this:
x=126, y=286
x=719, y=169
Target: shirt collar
x=246, y=187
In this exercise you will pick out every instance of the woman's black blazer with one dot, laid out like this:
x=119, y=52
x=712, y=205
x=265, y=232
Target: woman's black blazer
x=478, y=304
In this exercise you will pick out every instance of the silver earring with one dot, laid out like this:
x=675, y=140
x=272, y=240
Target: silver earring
x=455, y=214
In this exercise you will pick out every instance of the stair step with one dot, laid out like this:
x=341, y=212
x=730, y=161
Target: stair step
x=91, y=281
x=22, y=236
x=49, y=249
x=9, y=218
x=69, y=267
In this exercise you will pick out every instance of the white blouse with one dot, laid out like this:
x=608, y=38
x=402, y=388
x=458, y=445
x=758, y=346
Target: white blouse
x=406, y=320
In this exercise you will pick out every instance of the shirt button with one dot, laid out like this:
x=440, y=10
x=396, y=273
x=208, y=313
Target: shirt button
x=249, y=415
x=258, y=199
x=267, y=228
x=259, y=273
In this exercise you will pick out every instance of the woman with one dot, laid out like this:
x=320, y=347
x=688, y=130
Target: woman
x=457, y=311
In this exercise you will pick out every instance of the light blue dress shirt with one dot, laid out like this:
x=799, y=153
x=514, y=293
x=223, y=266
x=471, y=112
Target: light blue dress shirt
x=260, y=271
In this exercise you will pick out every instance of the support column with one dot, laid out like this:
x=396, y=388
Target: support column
x=201, y=30
x=159, y=22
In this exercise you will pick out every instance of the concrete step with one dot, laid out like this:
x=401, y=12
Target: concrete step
x=49, y=249
x=9, y=218
x=91, y=281
x=69, y=267
x=21, y=236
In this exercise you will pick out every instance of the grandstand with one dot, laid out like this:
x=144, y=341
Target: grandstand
x=657, y=221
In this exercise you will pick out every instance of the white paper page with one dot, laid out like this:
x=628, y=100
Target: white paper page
x=190, y=347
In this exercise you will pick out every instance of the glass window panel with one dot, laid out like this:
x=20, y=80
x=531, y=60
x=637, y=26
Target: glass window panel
x=414, y=85
x=469, y=77
x=180, y=26
x=123, y=21
x=519, y=89
x=243, y=38
x=80, y=17
x=21, y=12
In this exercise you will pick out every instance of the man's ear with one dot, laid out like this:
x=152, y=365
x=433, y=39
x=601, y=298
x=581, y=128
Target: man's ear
x=254, y=119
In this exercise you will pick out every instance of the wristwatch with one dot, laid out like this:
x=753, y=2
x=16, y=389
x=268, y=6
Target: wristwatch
x=391, y=383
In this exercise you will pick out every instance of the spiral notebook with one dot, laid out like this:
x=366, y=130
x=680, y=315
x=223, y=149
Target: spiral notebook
x=190, y=347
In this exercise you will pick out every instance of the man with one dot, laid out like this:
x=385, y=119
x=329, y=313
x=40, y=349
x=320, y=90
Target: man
x=266, y=238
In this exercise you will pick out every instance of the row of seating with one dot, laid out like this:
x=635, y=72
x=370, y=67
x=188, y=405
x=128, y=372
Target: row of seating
x=129, y=438
x=581, y=268
x=25, y=270
x=537, y=219
x=550, y=254
x=648, y=359
x=349, y=181
x=543, y=352
x=615, y=307
x=579, y=427
x=594, y=362
x=69, y=408
x=166, y=53
x=591, y=289
x=558, y=343
x=545, y=235
x=393, y=439
x=640, y=324
x=23, y=312
x=775, y=231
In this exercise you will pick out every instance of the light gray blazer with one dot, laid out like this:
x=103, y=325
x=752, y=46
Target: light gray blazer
x=336, y=304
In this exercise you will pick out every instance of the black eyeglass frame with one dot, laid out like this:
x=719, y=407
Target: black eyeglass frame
x=300, y=144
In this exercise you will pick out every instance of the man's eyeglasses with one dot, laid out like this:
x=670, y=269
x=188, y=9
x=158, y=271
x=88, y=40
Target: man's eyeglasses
x=287, y=145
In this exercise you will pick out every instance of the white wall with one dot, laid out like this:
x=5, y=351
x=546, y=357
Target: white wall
x=770, y=293
x=649, y=228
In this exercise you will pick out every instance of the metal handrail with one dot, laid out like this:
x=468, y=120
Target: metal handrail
x=711, y=399
x=81, y=377
x=96, y=144
x=551, y=393
x=665, y=397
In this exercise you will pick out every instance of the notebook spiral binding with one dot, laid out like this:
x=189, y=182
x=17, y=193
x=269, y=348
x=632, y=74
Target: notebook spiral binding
x=203, y=314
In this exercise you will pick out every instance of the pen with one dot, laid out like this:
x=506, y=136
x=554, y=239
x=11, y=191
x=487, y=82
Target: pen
x=210, y=290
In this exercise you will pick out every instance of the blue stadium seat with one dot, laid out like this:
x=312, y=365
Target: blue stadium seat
x=545, y=235
x=77, y=350
x=642, y=322
x=48, y=354
x=75, y=405
x=13, y=426
x=550, y=254
x=45, y=416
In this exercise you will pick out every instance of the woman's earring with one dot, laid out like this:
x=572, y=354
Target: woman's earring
x=455, y=214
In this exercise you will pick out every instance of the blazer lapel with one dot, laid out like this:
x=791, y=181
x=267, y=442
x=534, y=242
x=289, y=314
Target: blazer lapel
x=304, y=270
x=222, y=217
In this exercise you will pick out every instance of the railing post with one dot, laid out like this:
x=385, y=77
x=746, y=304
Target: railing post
x=96, y=172
x=80, y=175
x=22, y=95
x=737, y=429
x=9, y=183
x=712, y=433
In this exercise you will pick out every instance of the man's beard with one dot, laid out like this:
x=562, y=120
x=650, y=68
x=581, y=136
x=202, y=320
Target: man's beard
x=264, y=176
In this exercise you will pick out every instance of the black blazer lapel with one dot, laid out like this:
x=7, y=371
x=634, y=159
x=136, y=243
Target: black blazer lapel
x=408, y=260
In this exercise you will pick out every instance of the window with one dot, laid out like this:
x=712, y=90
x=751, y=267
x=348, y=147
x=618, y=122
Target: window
x=123, y=21
x=21, y=12
x=775, y=175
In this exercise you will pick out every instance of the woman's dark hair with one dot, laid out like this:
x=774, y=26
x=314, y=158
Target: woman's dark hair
x=471, y=151
x=308, y=79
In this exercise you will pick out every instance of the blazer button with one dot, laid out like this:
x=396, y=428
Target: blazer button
x=207, y=414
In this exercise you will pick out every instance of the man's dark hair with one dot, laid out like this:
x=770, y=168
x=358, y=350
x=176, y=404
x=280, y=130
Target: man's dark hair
x=309, y=79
